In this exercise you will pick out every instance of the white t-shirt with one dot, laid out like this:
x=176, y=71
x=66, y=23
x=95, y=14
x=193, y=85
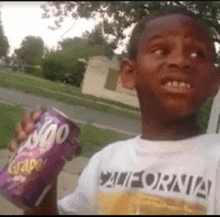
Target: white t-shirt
x=139, y=176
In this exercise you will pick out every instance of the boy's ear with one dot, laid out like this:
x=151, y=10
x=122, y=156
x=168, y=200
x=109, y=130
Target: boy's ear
x=127, y=74
x=216, y=82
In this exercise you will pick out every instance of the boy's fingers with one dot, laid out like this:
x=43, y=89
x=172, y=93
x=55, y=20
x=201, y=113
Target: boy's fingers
x=27, y=123
x=29, y=127
x=36, y=116
x=20, y=134
x=12, y=146
x=24, y=128
x=17, y=129
x=26, y=119
x=36, y=113
x=30, y=120
x=21, y=137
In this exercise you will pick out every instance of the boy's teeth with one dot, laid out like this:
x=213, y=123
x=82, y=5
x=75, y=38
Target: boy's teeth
x=169, y=83
x=177, y=84
x=183, y=84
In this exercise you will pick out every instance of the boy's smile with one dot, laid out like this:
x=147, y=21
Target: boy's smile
x=174, y=66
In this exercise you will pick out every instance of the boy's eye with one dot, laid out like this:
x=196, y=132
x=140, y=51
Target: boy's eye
x=197, y=54
x=160, y=52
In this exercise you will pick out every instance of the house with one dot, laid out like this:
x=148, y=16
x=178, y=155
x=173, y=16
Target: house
x=101, y=79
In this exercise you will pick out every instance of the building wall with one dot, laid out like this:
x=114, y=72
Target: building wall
x=101, y=80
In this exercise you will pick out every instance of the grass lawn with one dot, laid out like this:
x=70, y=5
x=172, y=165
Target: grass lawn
x=10, y=115
x=92, y=138
x=62, y=92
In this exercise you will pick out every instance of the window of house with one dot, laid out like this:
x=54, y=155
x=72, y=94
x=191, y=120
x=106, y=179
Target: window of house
x=112, y=80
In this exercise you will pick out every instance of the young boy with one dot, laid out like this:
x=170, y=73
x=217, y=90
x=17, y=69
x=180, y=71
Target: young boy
x=170, y=168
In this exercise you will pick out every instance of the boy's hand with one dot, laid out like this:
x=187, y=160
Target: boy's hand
x=24, y=128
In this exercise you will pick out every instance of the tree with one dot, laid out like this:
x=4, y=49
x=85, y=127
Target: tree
x=71, y=42
x=12, y=62
x=78, y=48
x=118, y=16
x=98, y=39
x=31, y=50
x=64, y=65
x=4, y=45
x=88, y=43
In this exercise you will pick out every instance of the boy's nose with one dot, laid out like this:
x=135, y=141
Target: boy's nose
x=178, y=59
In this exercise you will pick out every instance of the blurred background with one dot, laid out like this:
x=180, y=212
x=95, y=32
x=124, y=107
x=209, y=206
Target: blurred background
x=70, y=52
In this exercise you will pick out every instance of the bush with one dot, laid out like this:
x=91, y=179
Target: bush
x=204, y=115
x=15, y=68
x=52, y=70
x=57, y=67
x=74, y=74
x=32, y=70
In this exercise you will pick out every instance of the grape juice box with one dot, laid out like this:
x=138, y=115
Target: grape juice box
x=29, y=174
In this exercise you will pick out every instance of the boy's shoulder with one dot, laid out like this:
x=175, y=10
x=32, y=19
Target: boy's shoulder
x=213, y=139
x=209, y=143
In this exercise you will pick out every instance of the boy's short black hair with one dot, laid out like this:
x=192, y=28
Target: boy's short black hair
x=142, y=24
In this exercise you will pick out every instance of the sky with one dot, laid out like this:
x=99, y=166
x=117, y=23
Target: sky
x=21, y=19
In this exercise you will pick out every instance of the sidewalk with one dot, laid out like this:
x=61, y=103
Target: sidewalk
x=67, y=181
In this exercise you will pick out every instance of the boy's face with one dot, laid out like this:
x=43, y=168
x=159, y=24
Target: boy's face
x=174, y=66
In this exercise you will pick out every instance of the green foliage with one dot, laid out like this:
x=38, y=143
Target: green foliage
x=52, y=69
x=12, y=114
x=28, y=70
x=72, y=42
x=4, y=46
x=96, y=38
x=11, y=62
x=124, y=14
x=33, y=71
x=204, y=115
x=75, y=74
x=80, y=48
x=31, y=51
x=62, y=66
x=93, y=139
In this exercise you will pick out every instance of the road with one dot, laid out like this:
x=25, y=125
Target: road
x=79, y=114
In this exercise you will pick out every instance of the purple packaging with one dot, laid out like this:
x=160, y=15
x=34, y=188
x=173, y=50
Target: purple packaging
x=29, y=174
